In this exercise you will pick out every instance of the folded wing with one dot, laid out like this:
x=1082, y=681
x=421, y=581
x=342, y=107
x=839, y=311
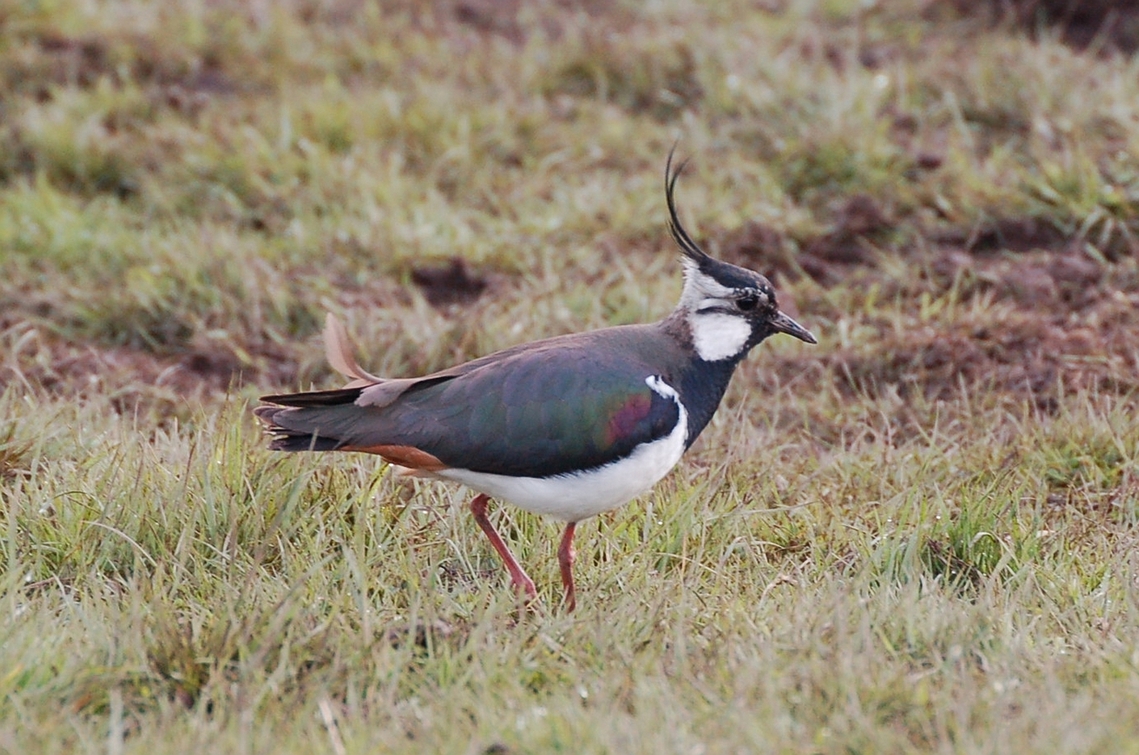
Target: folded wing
x=541, y=412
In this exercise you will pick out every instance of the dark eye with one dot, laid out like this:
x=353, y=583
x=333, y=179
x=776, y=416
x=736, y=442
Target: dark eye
x=747, y=302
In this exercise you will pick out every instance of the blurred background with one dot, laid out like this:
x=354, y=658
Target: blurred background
x=186, y=187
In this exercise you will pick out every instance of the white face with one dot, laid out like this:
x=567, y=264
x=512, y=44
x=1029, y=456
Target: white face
x=717, y=334
x=700, y=290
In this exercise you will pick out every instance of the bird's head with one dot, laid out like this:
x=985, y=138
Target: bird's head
x=729, y=309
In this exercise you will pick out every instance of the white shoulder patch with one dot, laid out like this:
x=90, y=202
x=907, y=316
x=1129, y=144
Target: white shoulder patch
x=664, y=390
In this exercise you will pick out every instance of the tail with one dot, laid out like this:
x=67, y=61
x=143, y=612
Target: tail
x=306, y=421
x=294, y=429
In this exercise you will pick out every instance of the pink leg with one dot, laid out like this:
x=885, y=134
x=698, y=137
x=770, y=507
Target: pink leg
x=521, y=581
x=565, y=560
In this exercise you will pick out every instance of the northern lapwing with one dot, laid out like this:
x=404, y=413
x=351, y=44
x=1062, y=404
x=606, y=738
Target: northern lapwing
x=569, y=426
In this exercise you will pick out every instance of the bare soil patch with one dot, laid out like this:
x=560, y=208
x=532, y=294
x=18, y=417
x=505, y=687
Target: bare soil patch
x=453, y=283
x=133, y=379
x=1083, y=24
x=1017, y=234
x=861, y=225
x=56, y=59
x=1023, y=354
x=1058, y=319
x=1044, y=325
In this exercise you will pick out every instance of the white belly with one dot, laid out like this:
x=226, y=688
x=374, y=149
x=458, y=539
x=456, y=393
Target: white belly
x=573, y=497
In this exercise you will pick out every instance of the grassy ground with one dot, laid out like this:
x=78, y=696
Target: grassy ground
x=918, y=536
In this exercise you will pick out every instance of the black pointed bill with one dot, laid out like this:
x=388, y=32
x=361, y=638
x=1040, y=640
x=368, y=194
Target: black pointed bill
x=781, y=323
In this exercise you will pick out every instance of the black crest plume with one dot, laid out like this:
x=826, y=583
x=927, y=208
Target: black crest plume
x=683, y=240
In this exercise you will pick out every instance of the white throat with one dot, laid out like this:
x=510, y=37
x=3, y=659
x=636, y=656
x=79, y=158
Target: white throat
x=718, y=336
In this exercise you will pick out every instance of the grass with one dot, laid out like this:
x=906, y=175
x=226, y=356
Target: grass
x=916, y=537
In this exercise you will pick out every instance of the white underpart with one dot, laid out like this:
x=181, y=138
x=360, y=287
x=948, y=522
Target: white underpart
x=718, y=336
x=573, y=497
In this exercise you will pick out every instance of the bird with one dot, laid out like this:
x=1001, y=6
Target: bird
x=567, y=427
